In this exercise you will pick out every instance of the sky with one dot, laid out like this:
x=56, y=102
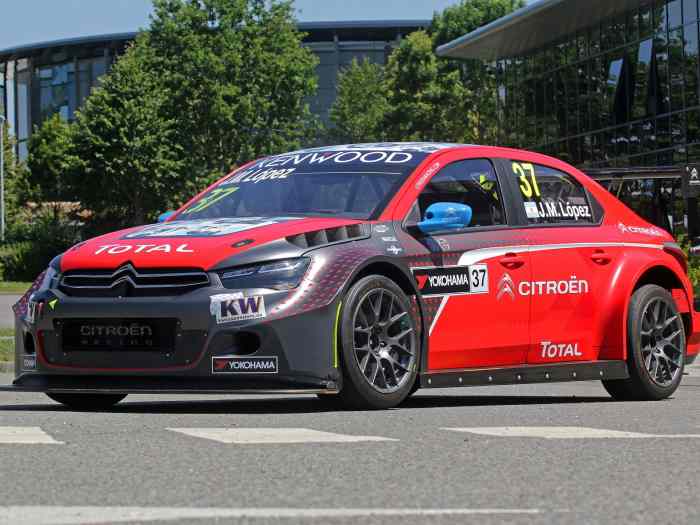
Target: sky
x=33, y=21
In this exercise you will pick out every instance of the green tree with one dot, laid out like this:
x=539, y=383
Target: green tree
x=426, y=99
x=361, y=106
x=238, y=77
x=211, y=84
x=129, y=162
x=51, y=162
x=16, y=185
x=466, y=16
x=477, y=76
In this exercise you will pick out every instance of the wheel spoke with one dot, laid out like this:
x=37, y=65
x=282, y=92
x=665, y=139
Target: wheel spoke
x=393, y=320
x=384, y=359
x=364, y=363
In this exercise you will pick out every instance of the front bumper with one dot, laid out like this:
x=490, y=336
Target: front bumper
x=300, y=346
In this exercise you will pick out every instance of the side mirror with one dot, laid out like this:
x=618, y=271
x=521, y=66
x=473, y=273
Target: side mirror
x=165, y=216
x=445, y=216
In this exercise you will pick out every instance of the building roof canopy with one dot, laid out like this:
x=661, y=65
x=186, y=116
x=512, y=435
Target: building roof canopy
x=540, y=23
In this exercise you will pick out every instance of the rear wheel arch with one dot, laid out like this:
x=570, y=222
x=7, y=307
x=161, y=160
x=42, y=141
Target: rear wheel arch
x=667, y=279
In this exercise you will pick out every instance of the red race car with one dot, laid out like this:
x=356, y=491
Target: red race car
x=361, y=273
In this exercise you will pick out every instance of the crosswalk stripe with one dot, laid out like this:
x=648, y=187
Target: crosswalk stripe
x=243, y=436
x=564, y=432
x=26, y=436
x=54, y=515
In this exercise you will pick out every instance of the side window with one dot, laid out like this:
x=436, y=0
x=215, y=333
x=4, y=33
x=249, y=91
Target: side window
x=472, y=182
x=551, y=196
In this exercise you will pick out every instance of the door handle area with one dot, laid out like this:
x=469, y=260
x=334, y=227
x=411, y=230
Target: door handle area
x=600, y=257
x=511, y=261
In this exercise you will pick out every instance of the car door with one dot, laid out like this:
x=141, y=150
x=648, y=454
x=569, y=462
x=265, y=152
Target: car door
x=468, y=285
x=571, y=268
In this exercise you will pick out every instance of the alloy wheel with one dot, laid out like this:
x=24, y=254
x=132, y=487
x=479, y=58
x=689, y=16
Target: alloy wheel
x=384, y=340
x=662, y=342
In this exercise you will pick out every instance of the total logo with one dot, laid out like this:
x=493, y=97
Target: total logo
x=559, y=350
x=654, y=232
x=572, y=286
x=116, y=249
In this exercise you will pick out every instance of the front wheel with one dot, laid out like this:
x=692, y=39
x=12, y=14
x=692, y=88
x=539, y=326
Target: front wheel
x=655, y=347
x=379, y=345
x=88, y=401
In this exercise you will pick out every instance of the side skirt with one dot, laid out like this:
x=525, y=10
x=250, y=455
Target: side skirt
x=556, y=372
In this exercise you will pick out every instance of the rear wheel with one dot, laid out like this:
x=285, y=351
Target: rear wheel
x=656, y=347
x=88, y=401
x=379, y=345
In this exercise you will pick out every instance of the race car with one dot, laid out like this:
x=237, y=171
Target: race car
x=361, y=273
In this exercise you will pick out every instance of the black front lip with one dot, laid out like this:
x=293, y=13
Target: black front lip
x=283, y=384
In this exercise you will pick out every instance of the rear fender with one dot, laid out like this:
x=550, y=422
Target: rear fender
x=633, y=270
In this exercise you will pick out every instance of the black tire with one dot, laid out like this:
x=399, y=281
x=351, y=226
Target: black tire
x=390, y=367
x=644, y=336
x=88, y=401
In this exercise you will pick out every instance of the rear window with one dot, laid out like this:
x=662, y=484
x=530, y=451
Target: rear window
x=551, y=196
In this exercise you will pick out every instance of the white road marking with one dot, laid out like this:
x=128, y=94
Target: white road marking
x=26, y=436
x=243, y=436
x=564, y=433
x=55, y=515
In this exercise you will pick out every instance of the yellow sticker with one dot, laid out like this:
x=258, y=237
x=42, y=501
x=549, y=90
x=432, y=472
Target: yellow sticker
x=52, y=303
x=215, y=196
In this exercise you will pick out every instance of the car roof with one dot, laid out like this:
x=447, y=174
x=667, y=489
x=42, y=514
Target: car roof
x=413, y=147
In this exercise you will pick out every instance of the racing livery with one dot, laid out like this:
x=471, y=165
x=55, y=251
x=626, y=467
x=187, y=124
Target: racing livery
x=361, y=273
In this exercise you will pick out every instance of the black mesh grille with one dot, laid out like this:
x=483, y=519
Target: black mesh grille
x=127, y=281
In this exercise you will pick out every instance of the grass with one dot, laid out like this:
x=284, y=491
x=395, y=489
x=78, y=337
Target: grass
x=14, y=287
x=7, y=346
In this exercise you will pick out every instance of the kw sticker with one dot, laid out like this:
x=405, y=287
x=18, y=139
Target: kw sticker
x=452, y=280
x=227, y=308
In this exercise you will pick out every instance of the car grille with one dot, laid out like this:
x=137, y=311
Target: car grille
x=127, y=281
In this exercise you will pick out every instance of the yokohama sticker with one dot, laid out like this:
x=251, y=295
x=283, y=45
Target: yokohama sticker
x=452, y=280
x=228, y=308
x=230, y=364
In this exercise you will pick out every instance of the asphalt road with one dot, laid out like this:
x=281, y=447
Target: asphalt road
x=7, y=317
x=595, y=460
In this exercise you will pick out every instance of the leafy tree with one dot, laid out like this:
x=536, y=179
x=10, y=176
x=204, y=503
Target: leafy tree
x=211, y=84
x=466, y=16
x=16, y=185
x=426, y=99
x=361, y=106
x=478, y=78
x=128, y=159
x=238, y=76
x=51, y=162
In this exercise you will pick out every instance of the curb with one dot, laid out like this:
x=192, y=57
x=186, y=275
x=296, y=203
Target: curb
x=7, y=367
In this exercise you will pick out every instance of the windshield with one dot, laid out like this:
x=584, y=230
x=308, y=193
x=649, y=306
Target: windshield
x=347, y=183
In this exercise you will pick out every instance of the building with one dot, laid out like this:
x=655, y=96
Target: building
x=39, y=80
x=608, y=85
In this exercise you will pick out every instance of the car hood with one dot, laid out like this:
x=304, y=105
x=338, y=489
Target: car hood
x=188, y=243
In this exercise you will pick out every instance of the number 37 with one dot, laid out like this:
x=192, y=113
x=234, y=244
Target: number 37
x=528, y=185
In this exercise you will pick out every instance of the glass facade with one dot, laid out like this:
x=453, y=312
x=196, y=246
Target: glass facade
x=618, y=94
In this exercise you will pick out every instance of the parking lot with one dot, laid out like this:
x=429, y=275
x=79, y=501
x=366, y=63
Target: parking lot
x=528, y=454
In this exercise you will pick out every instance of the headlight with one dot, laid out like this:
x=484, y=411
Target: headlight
x=277, y=275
